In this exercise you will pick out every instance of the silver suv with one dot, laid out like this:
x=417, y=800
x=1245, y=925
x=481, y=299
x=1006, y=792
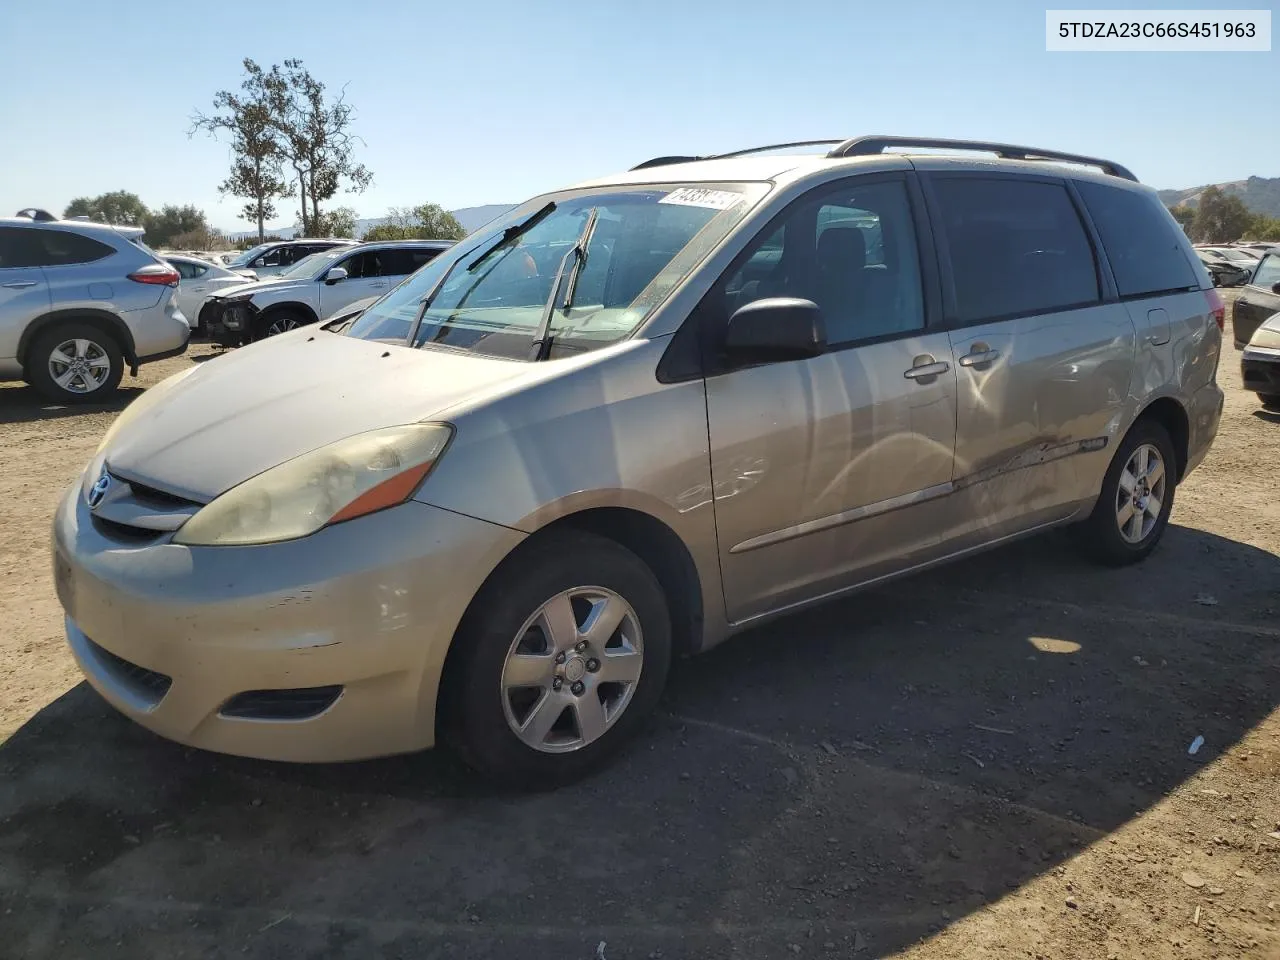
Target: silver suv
x=624, y=422
x=78, y=302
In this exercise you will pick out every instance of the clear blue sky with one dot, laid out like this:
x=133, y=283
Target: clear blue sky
x=491, y=102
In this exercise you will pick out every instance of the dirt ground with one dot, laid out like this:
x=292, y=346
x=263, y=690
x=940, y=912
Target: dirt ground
x=986, y=761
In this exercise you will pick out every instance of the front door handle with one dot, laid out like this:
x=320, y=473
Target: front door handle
x=978, y=357
x=18, y=284
x=927, y=370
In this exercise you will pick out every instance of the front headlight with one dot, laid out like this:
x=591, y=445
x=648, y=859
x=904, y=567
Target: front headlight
x=347, y=479
x=1265, y=336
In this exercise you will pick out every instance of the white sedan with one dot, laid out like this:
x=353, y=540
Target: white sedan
x=199, y=279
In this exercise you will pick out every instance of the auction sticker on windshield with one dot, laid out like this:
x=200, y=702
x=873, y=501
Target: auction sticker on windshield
x=700, y=197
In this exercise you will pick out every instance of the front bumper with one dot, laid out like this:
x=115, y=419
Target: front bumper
x=229, y=323
x=1260, y=370
x=170, y=634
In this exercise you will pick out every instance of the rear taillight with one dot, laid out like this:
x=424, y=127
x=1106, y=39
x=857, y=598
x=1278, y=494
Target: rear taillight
x=1217, y=306
x=156, y=273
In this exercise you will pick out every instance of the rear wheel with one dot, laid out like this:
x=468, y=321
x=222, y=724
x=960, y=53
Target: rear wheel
x=1137, y=497
x=1270, y=401
x=561, y=659
x=75, y=363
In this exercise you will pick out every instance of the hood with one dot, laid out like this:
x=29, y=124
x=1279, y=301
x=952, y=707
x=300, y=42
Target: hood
x=259, y=286
x=1272, y=323
x=244, y=412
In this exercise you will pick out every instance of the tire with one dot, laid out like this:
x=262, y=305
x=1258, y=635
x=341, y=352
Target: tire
x=97, y=379
x=275, y=322
x=482, y=703
x=1270, y=401
x=1101, y=535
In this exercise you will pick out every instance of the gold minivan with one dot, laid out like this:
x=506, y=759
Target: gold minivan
x=623, y=422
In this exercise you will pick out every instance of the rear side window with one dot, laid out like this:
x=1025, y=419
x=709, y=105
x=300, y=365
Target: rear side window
x=1142, y=240
x=20, y=248
x=1017, y=247
x=62, y=248
x=1268, y=273
x=400, y=261
x=187, y=270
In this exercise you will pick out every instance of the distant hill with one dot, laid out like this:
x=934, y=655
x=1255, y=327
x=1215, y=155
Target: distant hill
x=1259, y=194
x=471, y=218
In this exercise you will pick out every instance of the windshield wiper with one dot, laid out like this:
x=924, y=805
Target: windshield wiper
x=542, y=338
x=513, y=232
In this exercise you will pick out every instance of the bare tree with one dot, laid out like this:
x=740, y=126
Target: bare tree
x=315, y=135
x=250, y=120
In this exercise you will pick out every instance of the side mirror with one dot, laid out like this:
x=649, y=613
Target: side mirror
x=335, y=274
x=776, y=328
x=1275, y=288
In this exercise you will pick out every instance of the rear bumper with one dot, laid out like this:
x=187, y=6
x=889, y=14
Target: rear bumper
x=1260, y=370
x=166, y=354
x=1204, y=413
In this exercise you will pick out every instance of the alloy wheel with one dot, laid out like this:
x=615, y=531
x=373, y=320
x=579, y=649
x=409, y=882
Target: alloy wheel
x=1140, y=494
x=79, y=365
x=572, y=669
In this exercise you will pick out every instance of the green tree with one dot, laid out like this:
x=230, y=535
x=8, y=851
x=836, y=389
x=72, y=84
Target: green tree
x=1185, y=216
x=338, y=222
x=250, y=122
x=116, y=207
x=1262, y=227
x=163, y=225
x=1220, y=217
x=426, y=221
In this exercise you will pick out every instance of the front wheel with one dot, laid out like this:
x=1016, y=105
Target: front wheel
x=1136, y=500
x=561, y=659
x=278, y=322
x=1270, y=401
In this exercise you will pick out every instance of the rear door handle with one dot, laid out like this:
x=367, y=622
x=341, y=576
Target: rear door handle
x=18, y=284
x=975, y=358
x=927, y=370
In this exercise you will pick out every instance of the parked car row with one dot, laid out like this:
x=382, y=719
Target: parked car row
x=314, y=289
x=623, y=422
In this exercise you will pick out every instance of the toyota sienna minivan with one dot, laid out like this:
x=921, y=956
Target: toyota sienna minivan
x=622, y=423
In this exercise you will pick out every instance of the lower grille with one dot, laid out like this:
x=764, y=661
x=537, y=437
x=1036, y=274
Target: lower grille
x=302, y=703
x=145, y=683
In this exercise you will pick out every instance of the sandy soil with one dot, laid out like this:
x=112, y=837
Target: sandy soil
x=990, y=760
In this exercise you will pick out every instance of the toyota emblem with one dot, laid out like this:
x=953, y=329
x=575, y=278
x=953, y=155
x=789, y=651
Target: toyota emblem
x=99, y=489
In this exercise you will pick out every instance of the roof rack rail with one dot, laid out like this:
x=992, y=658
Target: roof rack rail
x=868, y=146
x=35, y=213
x=667, y=161
x=664, y=162
x=772, y=146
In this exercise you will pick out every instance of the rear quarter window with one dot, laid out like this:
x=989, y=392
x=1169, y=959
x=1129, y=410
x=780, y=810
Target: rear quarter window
x=1143, y=241
x=63, y=248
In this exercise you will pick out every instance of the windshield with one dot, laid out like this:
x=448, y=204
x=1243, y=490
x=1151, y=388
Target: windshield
x=312, y=265
x=244, y=258
x=646, y=240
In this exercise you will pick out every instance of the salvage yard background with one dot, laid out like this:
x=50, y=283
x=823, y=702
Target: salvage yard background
x=987, y=760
